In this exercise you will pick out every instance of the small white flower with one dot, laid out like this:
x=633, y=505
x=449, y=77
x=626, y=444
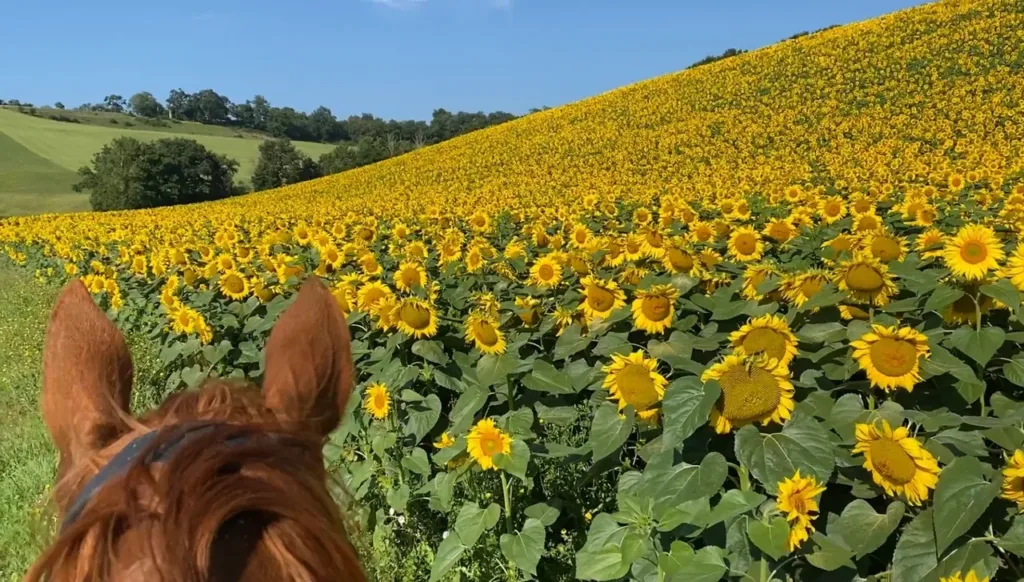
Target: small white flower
x=444, y=536
x=391, y=512
x=401, y=520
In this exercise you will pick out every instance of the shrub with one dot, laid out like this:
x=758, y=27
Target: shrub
x=128, y=174
x=281, y=164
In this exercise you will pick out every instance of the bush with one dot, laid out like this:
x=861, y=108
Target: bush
x=281, y=164
x=129, y=174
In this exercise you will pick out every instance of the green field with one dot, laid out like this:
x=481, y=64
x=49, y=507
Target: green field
x=27, y=458
x=39, y=157
x=111, y=120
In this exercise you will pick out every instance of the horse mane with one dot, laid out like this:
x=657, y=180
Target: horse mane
x=257, y=509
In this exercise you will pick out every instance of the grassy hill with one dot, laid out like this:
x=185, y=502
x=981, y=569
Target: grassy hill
x=39, y=156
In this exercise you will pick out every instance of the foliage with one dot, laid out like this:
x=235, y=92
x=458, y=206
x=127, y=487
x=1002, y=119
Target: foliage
x=145, y=105
x=701, y=327
x=129, y=174
x=281, y=164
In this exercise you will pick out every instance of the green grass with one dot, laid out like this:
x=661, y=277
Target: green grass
x=30, y=183
x=53, y=150
x=129, y=122
x=27, y=457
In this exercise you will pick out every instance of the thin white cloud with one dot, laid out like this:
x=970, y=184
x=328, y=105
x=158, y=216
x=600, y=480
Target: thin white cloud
x=502, y=4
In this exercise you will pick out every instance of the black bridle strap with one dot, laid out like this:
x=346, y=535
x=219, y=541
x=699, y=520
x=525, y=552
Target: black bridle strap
x=129, y=455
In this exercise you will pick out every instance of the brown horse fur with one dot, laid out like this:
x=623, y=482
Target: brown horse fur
x=255, y=511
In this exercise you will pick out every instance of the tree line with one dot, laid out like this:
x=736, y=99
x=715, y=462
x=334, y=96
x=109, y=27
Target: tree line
x=361, y=139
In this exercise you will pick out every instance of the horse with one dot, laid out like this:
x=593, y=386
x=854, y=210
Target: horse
x=223, y=483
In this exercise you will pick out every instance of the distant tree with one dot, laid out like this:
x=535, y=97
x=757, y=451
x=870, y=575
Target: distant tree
x=145, y=105
x=128, y=174
x=281, y=164
x=211, y=107
x=181, y=105
x=14, y=103
x=2, y=102
x=323, y=125
x=261, y=110
x=58, y=105
x=114, y=103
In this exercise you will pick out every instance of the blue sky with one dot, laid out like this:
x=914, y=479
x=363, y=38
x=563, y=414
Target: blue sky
x=394, y=58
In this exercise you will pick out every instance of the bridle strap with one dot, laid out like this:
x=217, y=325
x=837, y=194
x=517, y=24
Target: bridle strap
x=129, y=455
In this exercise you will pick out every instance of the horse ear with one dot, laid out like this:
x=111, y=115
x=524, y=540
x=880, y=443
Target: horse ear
x=309, y=370
x=87, y=377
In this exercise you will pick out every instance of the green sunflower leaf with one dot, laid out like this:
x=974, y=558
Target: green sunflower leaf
x=830, y=553
x=942, y=297
x=802, y=444
x=916, y=552
x=524, y=548
x=608, y=432
x=981, y=345
x=771, y=538
x=1004, y=292
x=687, y=406
x=961, y=496
x=863, y=530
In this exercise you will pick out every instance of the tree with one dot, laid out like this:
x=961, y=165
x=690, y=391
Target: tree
x=145, y=105
x=114, y=103
x=323, y=125
x=129, y=174
x=211, y=107
x=58, y=105
x=180, y=105
x=281, y=164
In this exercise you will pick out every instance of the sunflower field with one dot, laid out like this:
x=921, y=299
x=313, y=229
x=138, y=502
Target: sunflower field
x=758, y=320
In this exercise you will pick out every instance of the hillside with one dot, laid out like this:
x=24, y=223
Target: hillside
x=39, y=157
x=758, y=318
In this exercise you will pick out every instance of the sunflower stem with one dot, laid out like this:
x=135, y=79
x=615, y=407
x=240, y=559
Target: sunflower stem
x=871, y=314
x=744, y=477
x=508, y=503
x=871, y=400
x=764, y=570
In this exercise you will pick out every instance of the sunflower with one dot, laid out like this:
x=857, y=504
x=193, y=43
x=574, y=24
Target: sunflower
x=654, y=308
x=754, y=389
x=483, y=331
x=371, y=294
x=769, y=335
x=410, y=275
x=799, y=288
x=564, y=317
x=796, y=499
x=369, y=264
x=897, y=461
x=850, y=312
x=486, y=440
x=386, y=312
x=581, y=235
x=866, y=280
x=866, y=223
x=601, y=297
x=634, y=381
x=709, y=259
x=959, y=577
x=633, y=247
x=745, y=244
x=446, y=440
x=678, y=259
x=1013, y=479
x=233, y=285
x=701, y=231
x=832, y=209
x=415, y=317
x=754, y=276
x=416, y=250
x=973, y=252
x=964, y=309
x=885, y=247
x=930, y=243
x=780, y=230
x=529, y=310
x=377, y=401
x=891, y=356
x=546, y=272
